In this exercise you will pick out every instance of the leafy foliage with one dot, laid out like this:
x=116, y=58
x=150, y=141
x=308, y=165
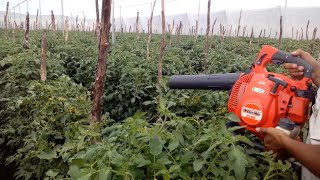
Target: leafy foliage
x=145, y=133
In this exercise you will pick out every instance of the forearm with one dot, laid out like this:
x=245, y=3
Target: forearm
x=316, y=75
x=306, y=154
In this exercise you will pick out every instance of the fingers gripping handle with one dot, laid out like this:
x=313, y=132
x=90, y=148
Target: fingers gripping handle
x=281, y=57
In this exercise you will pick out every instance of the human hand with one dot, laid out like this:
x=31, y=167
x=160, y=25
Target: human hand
x=273, y=140
x=297, y=71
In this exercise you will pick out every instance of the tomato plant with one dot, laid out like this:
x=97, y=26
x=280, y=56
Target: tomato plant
x=145, y=133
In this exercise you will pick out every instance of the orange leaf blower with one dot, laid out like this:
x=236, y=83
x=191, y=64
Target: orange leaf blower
x=258, y=97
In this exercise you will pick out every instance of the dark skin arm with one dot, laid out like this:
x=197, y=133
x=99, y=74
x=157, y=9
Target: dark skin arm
x=277, y=140
x=306, y=154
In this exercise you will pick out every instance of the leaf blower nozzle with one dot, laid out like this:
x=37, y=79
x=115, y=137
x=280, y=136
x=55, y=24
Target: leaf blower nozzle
x=210, y=82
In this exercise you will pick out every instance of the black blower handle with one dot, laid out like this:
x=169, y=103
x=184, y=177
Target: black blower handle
x=281, y=57
x=210, y=82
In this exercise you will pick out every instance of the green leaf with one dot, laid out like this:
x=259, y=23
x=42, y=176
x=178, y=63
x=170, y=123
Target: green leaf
x=233, y=117
x=1, y=140
x=48, y=155
x=80, y=174
x=52, y=173
x=239, y=162
x=155, y=145
x=174, y=143
x=104, y=173
x=175, y=168
x=197, y=165
x=244, y=139
x=162, y=103
x=141, y=161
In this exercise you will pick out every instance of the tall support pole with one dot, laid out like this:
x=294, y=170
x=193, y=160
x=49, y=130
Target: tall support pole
x=14, y=14
x=27, y=6
x=100, y=76
x=40, y=17
x=20, y=14
x=62, y=17
x=120, y=20
x=197, y=22
x=113, y=26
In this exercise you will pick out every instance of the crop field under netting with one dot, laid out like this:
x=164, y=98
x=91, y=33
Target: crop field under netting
x=86, y=95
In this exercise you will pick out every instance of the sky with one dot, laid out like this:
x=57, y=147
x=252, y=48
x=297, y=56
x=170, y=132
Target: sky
x=129, y=8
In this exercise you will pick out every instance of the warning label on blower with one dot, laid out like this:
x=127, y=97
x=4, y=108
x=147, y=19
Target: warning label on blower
x=251, y=113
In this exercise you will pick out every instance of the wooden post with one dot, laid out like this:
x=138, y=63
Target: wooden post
x=270, y=32
x=196, y=30
x=260, y=34
x=137, y=25
x=170, y=32
x=239, y=23
x=206, y=50
x=313, y=42
x=251, y=36
x=6, y=16
x=307, y=30
x=26, y=33
x=264, y=33
x=150, y=30
x=77, y=25
x=301, y=34
x=53, y=21
x=214, y=23
x=97, y=30
x=297, y=33
x=179, y=31
x=102, y=62
x=66, y=29
x=280, y=36
x=244, y=30
x=314, y=34
x=84, y=24
x=163, y=44
x=37, y=19
x=43, y=70
x=222, y=32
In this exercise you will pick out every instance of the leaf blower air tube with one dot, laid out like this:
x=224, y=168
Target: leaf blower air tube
x=210, y=82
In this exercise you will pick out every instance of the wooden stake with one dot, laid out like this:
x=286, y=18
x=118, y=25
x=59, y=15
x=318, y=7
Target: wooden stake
x=270, y=33
x=251, y=36
x=163, y=44
x=37, y=19
x=244, y=30
x=307, y=30
x=314, y=34
x=239, y=23
x=280, y=36
x=260, y=34
x=137, y=26
x=102, y=62
x=43, y=70
x=97, y=31
x=6, y=16
x=214, y=23
x=196, y=30
x=66, y=26
x=301, y=34
x=207, y=37
x=26, y=33
x=179, y=31
x=53, y=21
x=150, y=30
